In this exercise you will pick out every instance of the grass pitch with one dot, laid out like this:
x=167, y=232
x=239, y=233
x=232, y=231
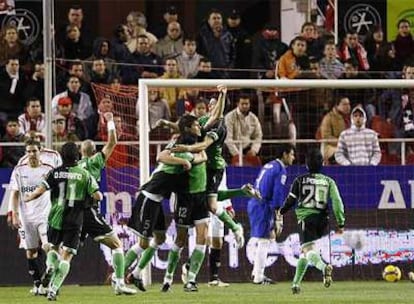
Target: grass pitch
x=312, y=292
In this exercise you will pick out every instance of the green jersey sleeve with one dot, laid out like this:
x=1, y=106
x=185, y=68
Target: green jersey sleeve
x=337, y=204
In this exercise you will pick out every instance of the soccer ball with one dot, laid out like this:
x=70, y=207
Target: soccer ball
x=391, y=273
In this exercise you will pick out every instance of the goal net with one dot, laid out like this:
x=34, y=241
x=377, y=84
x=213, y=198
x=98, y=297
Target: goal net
x=378, y=199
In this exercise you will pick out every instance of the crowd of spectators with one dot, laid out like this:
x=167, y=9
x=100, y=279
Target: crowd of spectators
x=142, y=48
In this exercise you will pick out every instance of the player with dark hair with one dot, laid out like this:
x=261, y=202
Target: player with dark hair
x=270, y=182
x=311, y=192
x=69, y=185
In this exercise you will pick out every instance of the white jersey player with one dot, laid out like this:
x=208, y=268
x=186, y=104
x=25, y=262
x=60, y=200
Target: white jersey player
x=31, y=217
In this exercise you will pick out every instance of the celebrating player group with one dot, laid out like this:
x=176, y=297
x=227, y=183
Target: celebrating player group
x=54, y=203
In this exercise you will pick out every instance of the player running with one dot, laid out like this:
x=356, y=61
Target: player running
x=311, y=192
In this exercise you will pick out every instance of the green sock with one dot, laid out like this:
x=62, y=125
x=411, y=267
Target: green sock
x=173, y=257
x=196, y=260
x=315, y=260
x=300, y=271
x=146, y=257
x=229, y=193
x=52, y=259
x=228, y=221
x=130, y=257
x=60, y=275
x=118, y=262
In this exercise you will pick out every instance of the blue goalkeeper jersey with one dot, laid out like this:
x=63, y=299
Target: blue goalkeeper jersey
x=271, y=183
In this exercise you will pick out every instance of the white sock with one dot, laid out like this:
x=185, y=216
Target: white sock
x=260, y=257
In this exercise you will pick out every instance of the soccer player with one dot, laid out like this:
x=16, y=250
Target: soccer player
x=271, y=183
x=147, y=214
x=94, y=223
x=69, y=185
x=191, y=210
x=31, y=217
x=311, y=192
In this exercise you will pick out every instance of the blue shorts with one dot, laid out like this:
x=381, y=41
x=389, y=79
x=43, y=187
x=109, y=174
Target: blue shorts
x=261, y=217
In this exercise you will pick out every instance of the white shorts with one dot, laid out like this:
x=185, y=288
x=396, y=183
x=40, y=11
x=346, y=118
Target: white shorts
x=216, y=227
x=33, y=233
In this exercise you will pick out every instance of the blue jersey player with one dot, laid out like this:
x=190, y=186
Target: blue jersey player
x=271, y=183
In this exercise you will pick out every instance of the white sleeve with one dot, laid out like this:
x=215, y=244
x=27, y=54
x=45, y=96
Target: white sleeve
x=12, y=186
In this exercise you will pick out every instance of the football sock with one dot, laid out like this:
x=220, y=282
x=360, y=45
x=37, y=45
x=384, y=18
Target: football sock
x=260, y=257
x=300, y=271
x=146, y=257
x=173, y=258
x=214, y=263
x=132, y=254
x=34, y=270
x=196, y=260
x=315, y=259
x=118, y=262
x=60, y=275
x=229, y=193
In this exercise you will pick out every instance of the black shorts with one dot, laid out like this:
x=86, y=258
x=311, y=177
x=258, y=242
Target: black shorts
x=147, y=216
x=190, y=208
x=313, y=228
x=214, y=177
x=68, y=238
x=94, y=224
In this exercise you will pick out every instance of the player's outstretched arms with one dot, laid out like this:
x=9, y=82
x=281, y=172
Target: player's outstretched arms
x=112, y=137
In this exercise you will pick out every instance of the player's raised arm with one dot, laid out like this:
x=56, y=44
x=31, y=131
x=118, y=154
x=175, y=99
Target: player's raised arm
x=112, y=137
x=217, y=111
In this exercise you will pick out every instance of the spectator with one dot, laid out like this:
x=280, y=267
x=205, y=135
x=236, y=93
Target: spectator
x=36, y=84
x=172, y=44
x=267, y=50
x=33, y=120
x=314, y=44
x=243, y=44
x=386, y=63
x=74, y=47
x=102, y=49
x=187, y=103
x=205, y=70
x=12, y=89
x=243, y=125
x=157, y=108
x=331, y=67
x=75, y=18
x=333, y=123
x=217, y=43
x=373, y=43
x=294, y=61
x=351, y=49
x=60, y=133
x=171, y=94
x=189, y=59
x=404, y=44
x=170, y=15
x=100, y=73
x=9, y=156
x=119, y=50
x=75, y=68
x=73, y=125
x=137, y=24
x=12, y=47
x=358, y=145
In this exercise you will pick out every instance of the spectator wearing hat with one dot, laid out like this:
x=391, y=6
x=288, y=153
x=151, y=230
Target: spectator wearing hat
x=358, y=145
x=267, y=49
x=171, y=45
x=33, y=120
x=243, y=44
x=217, y=43
x=81, y=104
x=170, y=15
x=73, y=125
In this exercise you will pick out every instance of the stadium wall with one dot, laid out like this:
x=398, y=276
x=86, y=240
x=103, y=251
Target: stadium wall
x=379, y=204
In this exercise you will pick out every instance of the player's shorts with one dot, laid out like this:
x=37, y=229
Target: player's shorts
x=94, y=224
x=69, y=239
x=147, y=216
x=191, y=209
x=261, y=217
x=214, y=177
x=33, y=232
x=313, y=228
